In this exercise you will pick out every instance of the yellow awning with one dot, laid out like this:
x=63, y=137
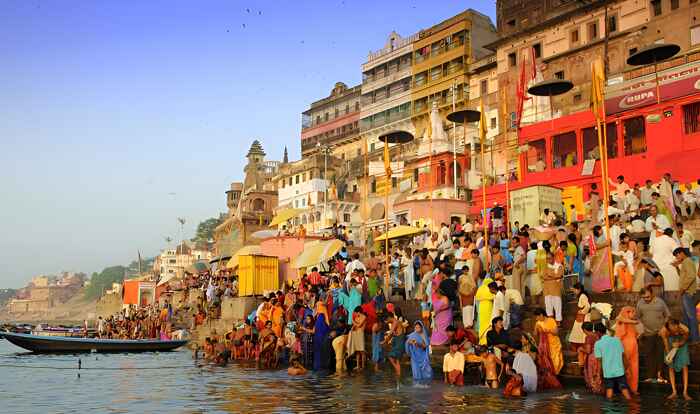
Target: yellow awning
x=400, y=231
x=284, y=215
x=243, y=251
x=318, y=252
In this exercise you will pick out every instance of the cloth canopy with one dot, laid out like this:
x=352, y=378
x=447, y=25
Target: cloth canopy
x=317, y=252
x=400, y=231
x=284, y=215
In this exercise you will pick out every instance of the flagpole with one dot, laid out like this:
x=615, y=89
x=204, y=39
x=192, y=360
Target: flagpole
x=599, y=112
x=454, y=141
x=507, y=155
x=482, y=137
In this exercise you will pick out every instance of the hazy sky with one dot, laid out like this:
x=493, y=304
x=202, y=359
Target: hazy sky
x=117, y=117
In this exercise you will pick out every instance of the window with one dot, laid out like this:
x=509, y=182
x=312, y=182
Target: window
x=435, y=72
x=511, y=23
x=484, y=87
x=442, y=173
x=592, y=31
x=577, y=98
x=656, y=7
x=346, y=217
x=559, y=75
x=574, y=36
x=359, y=152
x=612, y=24
x=695, y=35
x=691, y=118
x=634, y=135
x=373, y=186
x=674, y=4
x=537, y=48
x=590, y=142
x=564, y=150
x=415, y=175
x=297, y=179
x=371, y=147
x=512, y=59
x=493, y=123
x=394, y=182
x=337, y=112
x=536, y=155
x=325, y=116
x=357, y=106
x=172, y=261
x=347, y=108
x=290, y=180
x=258, y=204
x=318, y=119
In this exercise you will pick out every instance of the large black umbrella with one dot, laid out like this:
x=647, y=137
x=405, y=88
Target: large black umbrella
x=653, y=54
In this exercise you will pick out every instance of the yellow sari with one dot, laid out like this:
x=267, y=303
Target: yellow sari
x=547, y=326
x=485, y=298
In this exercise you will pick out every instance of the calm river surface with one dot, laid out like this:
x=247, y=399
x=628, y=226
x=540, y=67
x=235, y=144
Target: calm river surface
x=116, y=384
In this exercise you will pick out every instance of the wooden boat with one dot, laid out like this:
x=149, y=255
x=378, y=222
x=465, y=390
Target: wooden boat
x=51, y=344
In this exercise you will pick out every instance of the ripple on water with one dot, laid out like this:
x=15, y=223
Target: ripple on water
x=118, y=384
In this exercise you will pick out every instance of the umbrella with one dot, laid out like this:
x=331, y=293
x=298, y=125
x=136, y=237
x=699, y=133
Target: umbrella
x=198, y=267
x=400, y=231
x=243, y=251
x=265, y=234
x=284, y=215
x=318, y=252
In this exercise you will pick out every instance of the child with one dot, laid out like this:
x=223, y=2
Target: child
x=493, y=368
x=296, y=369
x=453, y=365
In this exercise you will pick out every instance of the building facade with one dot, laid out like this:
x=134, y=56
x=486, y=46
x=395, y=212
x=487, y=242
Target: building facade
x=332, y=122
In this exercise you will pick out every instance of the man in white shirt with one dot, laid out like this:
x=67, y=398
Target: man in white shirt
x=499, y=301
x=621, y=188
x=525, y=366
x=688, y=202
x=356, y=264
x=468, y=227
x=547, y=217
x=662, y=255
x=655, y=224
x=631, y=203
x=615, y=231
x=513, y=302
x=444, y=233
x=684, y=237
x=645, y=194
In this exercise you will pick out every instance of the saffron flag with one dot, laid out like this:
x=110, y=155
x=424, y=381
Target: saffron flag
x=387, y=160
x=597, y=87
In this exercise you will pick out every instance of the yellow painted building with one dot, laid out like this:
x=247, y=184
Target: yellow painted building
x=441, y=58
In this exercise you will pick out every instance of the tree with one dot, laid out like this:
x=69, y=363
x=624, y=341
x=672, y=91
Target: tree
x=102, y=281
x=205, y=229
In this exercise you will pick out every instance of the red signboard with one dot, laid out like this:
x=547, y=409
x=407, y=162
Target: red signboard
x=673, y=83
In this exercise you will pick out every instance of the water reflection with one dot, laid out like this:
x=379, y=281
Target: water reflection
x=186, y=387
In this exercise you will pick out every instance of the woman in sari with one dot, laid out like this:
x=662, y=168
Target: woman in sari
x=549, y=349
x=592, y=371
x=627, y=329
x=485, y=308
x=277, y=317
x=351, y=300
x=356, y=337
x=418, y=349
x=321, y=329
x=577, y=337
x=307, y=342
x=599, y=246
x=443, y=318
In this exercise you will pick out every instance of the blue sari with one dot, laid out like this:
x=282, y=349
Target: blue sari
x=320, y=335
x=420, y=358
x=505, y=253
x=350, y=302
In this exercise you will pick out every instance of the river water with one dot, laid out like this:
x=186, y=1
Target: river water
x=173, y=383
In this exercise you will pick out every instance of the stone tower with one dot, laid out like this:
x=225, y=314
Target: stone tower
x=253, y=178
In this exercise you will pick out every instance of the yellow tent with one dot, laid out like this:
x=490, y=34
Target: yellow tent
x=284, y=215
x=243, y=251
x=317, y=252
x=399, y=231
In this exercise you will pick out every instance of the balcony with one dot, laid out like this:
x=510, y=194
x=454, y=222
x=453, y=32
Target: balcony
x=309, y=144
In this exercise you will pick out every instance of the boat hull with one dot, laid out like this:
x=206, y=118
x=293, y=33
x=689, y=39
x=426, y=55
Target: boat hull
x=53, y=344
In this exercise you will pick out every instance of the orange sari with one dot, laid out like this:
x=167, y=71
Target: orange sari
x=277, y=320
x=626, y=330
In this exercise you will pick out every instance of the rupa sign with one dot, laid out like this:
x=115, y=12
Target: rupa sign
x=673, y=83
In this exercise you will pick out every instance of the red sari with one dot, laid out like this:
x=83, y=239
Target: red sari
x=546, y=377
x=592, y=371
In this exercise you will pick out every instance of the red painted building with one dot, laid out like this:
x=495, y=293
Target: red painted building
x=645, y=139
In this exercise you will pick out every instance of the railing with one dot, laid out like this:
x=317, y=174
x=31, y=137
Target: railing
x=312, y=142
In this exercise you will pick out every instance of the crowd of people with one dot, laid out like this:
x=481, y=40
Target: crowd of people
x=476, y=281
x=145, y=322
